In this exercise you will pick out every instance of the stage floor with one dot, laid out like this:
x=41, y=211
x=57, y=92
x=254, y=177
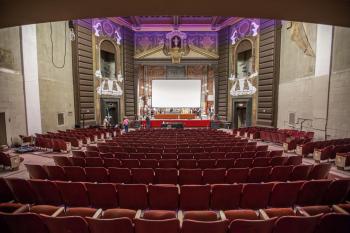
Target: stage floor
x=156, y=123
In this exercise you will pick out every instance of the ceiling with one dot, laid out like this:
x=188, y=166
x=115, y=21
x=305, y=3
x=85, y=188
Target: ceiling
x=183, y=23
x=19, y=12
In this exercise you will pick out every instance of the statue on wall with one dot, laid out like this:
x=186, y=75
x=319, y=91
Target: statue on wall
x=176, y=46
x=242, y=85
x=298, y=35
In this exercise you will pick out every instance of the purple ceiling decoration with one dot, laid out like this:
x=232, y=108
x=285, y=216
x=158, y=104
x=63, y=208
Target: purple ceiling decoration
x=246, y=27
x=105, y=27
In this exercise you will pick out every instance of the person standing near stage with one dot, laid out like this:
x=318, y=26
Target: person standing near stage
x=148, y=122
x=126, y=124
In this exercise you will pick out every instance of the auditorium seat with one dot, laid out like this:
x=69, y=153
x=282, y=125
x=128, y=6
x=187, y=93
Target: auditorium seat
x=190, y=176
x=157, y=226
x=237, y=175
x=36, y=171
x=62, y=161
x=202, y=155
x=336, y=192
x=112, y=162
x=94, y=162
x=22, y=190
x=66, y=224
x=124, y=225
x=206, y=163
x=246, y=214
x=121, y=155
x=77, y=161
x=5, y=191
x=300, y=172
x=132, y=196
x=225, y=163
x=47, y=192
x=75, y=173
x=107, y=155
x=278, y=161
x=78, y=153
x=142, y=175
x=168, y=163
x=311, y=192
x=284, y=194
x=252, y=226
x=243, y=162
x=248, y=154
x=55, y=172
x=214, y=176
x=156, y=156
x=148, y=163
x=258, y=174
x=102, y=195
x=80, y=211
x=201, y=215
x=114, y=213
x=255, y=196
x=190, y=226
x=276, y=153
x=294, y=160
x=280, y=173
x=166, y=176
x=187, y=164
x=119, y=175
x=296, y=224
x=261, y=153
x=225, y=196
x=22, y=223
x=334, y=222
x=233, y=155
x=261, y=162
x=73, y=193
x=130, y=163
x=195, y=197
x=138, y=156
x=96, y=174
x=262, y=148
x=217, y=155
x=169, y=156
x=186, y=156
x=91, y=154
x=163, y=197
x=320, y=171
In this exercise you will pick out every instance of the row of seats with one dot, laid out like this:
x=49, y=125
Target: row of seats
x=52, y=219
x=181, y=176
x=172, y=197
x=199, y=155
x=173, y=163
x=309, y=147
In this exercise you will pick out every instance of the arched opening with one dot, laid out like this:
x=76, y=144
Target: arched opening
x=244, y=59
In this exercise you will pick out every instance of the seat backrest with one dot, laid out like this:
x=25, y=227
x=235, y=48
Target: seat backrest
x=22, y=190
x=334, y=222
x=300, y=172
x=119, y=175
x=296, y=224
x=73, y=193
x=74, y=173
x=187, y=163
x=237, y=175
x=190, y=226
x=206, y=163
x=148, y=163
x=225, y=163
x=294, y=160
x=166, y=176
x=214, y=176
x=320, y=171
x=130, y=163
x=280, y=173
x=190, y=176
x=62, y=161
x=5, y=191
x=336, y=192
x=255, y=196
x=96, y=174
x=243, y=162
x=285, y=194
x=142, y=175
x=132, y=196
x=252, y=226
x=55, y=172
x=157, y=226
x=194, y=197
x=261, y=162
x=225, y=196
x=259, y=174
x=111, y=162
x=66, y=224
x=22, y=223
x=124, y=225
x=102, y=195
x=94, y=162
x=36, y=171
x=168, y=163
x=311, y=192
x=47, y=191
x=278, y=161
x=76, y=161
x=163, y=197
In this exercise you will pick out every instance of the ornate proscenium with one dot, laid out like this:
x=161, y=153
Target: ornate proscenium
x=176, y=46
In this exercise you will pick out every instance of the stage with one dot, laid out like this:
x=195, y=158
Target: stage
x=157, y=123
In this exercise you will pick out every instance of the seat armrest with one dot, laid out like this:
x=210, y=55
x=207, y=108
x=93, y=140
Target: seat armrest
x=222, y=215
x=22, y=209
x=97, y=214
x=263, y=215
x=302, y=212
x=338, y=209
x=58, y=212
x=138, y=214
x=180, y=216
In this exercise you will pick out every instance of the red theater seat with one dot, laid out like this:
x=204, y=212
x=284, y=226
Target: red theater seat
x=280, y=173
x=119, y=175
x=237, y=175
x=255, y=196
x=78, y=153
x=163, y=197
x=214, y=176
x=149, y=163
x=206, y=163
x=47, y=192
x=194, y=197
x=75, y=173
x=62, y=161
x=259, y=174
x=73, y=193
x=168, y=163
x=36, y=171
x=124, y=225
x=246, y=214
x=201, y=215
x=296, y=224
x=190, y=226
x=300, y=172
x=285, y=194
x=130, y=163
x=66, y=224
x=336, y=192
x=142, y=175
x=278, y=161
x=225, y=196
x=243, y=163
x=166, y=175
x=334, y=222
x=112, y=162
x=22, y=223
x=225, y=163
x=252, y=226
x=311, y=192
x=157, y=226
x=96, y=174
x=94, y=162
x=102, y=195
x=55, y=172
x=320, y=171
x=190, y=176
x=261, y=162
x=77, y=161
x=187, y=163
x=22, y=190
x=132, y=196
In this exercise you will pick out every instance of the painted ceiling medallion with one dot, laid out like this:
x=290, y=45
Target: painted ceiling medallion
x=176, y=46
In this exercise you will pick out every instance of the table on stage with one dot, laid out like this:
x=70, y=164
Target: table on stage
x=175, y=116
x=156, y=123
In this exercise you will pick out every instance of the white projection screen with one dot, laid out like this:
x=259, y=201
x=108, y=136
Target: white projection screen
x=176, y=93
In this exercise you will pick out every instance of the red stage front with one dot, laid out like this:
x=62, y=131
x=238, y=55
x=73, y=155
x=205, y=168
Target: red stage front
x=186, y=123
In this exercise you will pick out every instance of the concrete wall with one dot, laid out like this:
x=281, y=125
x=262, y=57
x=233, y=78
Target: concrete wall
x=303, y=93
x=11, y=83
x=55, y=84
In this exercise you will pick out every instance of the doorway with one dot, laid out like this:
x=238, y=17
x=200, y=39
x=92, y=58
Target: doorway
x=242, y=112
x=110, y=108
x=3, y=135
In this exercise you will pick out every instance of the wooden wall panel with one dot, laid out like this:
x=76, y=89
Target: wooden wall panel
x=129, y=74
x=83, y=73
x=222, y=74
x=269, y=52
